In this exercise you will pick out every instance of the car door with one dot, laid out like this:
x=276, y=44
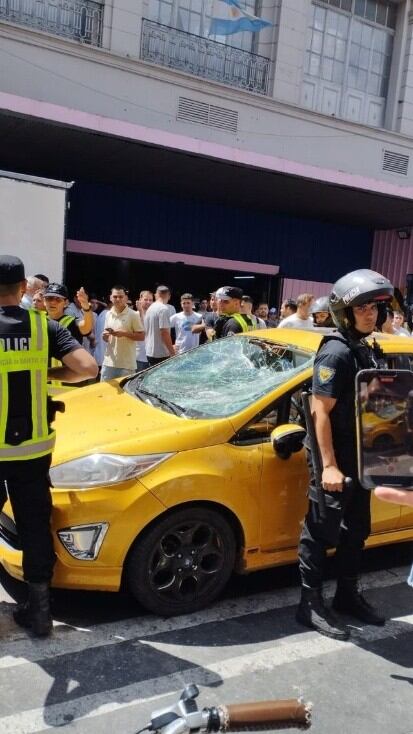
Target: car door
x=282, y=493
x=284, y=485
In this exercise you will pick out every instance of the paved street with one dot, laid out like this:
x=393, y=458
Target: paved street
x=109, y=665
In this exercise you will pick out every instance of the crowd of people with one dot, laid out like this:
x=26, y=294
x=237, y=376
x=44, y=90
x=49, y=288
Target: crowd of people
x=124, y=337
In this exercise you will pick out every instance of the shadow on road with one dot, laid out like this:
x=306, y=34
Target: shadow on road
x=82, y=680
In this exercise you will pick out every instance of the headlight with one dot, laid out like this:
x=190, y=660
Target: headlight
x=100, y=470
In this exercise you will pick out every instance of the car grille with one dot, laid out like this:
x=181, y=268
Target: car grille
x=8, y=531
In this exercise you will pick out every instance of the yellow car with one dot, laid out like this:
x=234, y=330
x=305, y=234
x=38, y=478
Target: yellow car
x=383, y=434
x=168, y=481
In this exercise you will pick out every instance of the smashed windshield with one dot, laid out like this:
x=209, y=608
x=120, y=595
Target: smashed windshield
x=221, y=377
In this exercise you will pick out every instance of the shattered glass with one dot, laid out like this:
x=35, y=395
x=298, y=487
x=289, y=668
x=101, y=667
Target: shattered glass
x=221, y=377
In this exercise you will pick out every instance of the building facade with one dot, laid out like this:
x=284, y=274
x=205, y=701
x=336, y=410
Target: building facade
x=261, y=153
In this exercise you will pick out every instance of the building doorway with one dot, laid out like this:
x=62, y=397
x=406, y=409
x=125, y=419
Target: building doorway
x=99, y=273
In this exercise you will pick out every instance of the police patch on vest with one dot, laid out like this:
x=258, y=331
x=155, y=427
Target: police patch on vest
x=325, y=374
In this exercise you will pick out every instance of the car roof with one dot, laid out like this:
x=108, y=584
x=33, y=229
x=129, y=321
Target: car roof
x=309, y=339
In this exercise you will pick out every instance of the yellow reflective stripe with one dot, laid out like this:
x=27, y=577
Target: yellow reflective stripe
x=55, y=383
x=28, y=448
x=34, y=344
x=33, y=331
x=238, y=318
x=41, y=375
x=38, y=401
x=34, y=360
x=13, y=362
x=4, y=404
x=66, y=320
x=38, y=327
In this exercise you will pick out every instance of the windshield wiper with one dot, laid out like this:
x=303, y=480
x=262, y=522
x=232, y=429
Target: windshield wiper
x=176, y=409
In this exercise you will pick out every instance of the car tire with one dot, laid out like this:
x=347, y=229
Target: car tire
x=183, y=562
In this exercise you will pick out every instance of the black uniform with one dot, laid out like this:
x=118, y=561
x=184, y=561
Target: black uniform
x=347, y=522
x=26, y=482
x=226, y=325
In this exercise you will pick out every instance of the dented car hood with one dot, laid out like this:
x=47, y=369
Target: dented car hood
x=103, y=418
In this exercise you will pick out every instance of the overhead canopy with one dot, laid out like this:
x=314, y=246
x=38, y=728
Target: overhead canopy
x=42, y=147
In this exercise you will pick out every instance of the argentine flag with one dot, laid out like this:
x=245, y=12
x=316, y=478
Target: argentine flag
x=229, y=17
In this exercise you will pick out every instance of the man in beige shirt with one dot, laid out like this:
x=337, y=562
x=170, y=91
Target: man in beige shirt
x=123, y=327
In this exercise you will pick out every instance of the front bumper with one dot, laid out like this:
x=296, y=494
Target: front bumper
x=125, y=510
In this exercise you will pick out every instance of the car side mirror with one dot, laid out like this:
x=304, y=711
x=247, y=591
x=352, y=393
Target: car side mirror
x=287, y=439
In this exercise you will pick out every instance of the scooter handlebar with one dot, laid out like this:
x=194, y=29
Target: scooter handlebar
x=259, y=715
x=184, y=717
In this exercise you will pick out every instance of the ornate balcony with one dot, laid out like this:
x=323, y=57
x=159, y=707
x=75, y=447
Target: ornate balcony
x=80, y=20
x=176, y=49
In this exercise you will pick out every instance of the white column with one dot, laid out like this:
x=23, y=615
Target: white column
x=266, y=42
x=122, y=26
x=290, y=50
x=400, y=48
x=404, y=122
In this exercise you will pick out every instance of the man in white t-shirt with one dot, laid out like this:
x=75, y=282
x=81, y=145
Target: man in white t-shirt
x=123, y=327
x=183, y=322
x=301, y=319
x=158, y=340
x=142, y=304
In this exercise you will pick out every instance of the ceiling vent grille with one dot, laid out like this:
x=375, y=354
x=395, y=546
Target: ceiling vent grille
x=395, y=162
x=191, y=110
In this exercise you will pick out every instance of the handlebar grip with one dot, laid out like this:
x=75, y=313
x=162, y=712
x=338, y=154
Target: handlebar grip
x=348, y=482
x=266, y=715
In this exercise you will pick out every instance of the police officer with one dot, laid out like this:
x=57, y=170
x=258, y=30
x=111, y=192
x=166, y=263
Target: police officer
x=358, y=306
x=321, y=313
x=230, y=320
x=27, y=341
x=56, y=298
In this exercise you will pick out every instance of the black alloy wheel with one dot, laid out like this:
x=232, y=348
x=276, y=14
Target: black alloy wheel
x=183, y=562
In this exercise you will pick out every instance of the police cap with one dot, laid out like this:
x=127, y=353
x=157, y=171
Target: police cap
x=227, y=292
x=11, y=270
x=56, y=289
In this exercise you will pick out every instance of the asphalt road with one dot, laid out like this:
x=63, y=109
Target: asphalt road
x=108, y=665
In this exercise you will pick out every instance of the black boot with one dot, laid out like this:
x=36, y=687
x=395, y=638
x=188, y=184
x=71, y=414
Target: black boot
x=313, y=613
x=349, y=600
x=35, y=613
x=21, y=615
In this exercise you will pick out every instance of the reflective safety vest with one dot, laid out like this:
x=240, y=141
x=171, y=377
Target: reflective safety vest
x=241, y=321
x=35, y=361
x=56, y=386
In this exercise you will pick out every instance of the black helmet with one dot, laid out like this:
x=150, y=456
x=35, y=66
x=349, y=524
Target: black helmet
x=357, y=288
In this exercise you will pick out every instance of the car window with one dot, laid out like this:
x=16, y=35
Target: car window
x=287, y=409
x=220, y=378
x=259, y=429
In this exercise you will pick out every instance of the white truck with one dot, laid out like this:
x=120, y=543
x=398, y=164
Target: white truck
x=32, y=222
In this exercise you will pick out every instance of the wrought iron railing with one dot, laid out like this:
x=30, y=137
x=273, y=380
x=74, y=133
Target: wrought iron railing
x=205, y=58
x=77, y=19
